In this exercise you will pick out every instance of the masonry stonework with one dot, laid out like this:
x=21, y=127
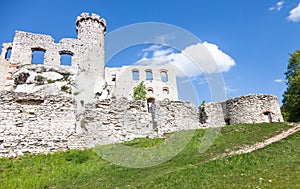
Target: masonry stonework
x=46, y=123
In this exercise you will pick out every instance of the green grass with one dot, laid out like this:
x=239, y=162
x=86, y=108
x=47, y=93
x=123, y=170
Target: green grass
x=275, y=166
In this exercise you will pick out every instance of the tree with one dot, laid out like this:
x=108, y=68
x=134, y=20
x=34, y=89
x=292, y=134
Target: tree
x=140, y=92
x=291, y=97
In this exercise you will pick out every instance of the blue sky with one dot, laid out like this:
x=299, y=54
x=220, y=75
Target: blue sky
x=256, y=35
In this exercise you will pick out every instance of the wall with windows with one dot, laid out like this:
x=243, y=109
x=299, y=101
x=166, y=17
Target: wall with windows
x=31, y=48
x=28, y=48
x=160, y=81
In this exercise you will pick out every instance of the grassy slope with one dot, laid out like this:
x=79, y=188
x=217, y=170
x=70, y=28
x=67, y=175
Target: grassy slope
x=276, y=166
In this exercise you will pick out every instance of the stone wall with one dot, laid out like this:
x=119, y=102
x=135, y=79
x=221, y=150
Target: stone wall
x=47, y=123
x=37, y=123
x=25, y=42
x=34, y=124
x=257, y=108
x=170, y=116
x=253, y=109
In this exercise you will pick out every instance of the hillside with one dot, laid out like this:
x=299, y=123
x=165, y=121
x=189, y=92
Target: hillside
x=274, y=166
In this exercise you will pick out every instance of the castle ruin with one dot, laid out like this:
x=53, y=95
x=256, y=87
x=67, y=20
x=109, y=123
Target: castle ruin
x=39, y=82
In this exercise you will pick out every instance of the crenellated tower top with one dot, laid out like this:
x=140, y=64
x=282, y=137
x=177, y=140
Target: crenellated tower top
x=90, y=27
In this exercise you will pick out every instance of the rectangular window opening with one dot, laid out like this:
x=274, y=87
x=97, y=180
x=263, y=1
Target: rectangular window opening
x=66, y=59
x=135, y=75
x=38, y=56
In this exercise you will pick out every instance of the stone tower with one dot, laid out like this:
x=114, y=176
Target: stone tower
x=90, y=77
x=91, y=30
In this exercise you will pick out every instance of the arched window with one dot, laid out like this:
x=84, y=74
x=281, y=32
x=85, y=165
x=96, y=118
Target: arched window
x=38, y=56
x=135, y=75
x=150, y=90
x=66, y=58
x=164, y=76
x=8, y=53
x=165, y=90
x=149, y=75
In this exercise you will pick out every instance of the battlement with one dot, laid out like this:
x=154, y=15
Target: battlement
x=86, y=17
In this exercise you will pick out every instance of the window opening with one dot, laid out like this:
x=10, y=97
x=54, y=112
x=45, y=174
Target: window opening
x=113, y=77
x=149, y=75
x=164, y=76
x=166, y=90
x=135, y=75
x=38, y=56
x=8, y=53
x=66, y=58
x=150, y=90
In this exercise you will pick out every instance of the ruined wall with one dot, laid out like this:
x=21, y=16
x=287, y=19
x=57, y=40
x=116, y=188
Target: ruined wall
x=257, y=108
x=253, y=109
x=4, y=69
x=170, y=116
x=215, y=114
x=47, y=123
x=87, y=51
x=25, y=42
x=125, y=84
x=34, y=124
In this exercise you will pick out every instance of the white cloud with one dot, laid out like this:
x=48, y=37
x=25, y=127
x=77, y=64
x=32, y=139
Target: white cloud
x=224, y=61
x=161, y=53
x=278, y=6
x=278, y=80
x=206, y=58
x=294, y=14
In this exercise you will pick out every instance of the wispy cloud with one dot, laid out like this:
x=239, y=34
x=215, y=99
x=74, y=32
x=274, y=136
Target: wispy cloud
x=164, y=39
x=207, y=58
x=200, y=79
x=278, y=6
x=229, y=90
x=278, y=80
x=294, y=14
